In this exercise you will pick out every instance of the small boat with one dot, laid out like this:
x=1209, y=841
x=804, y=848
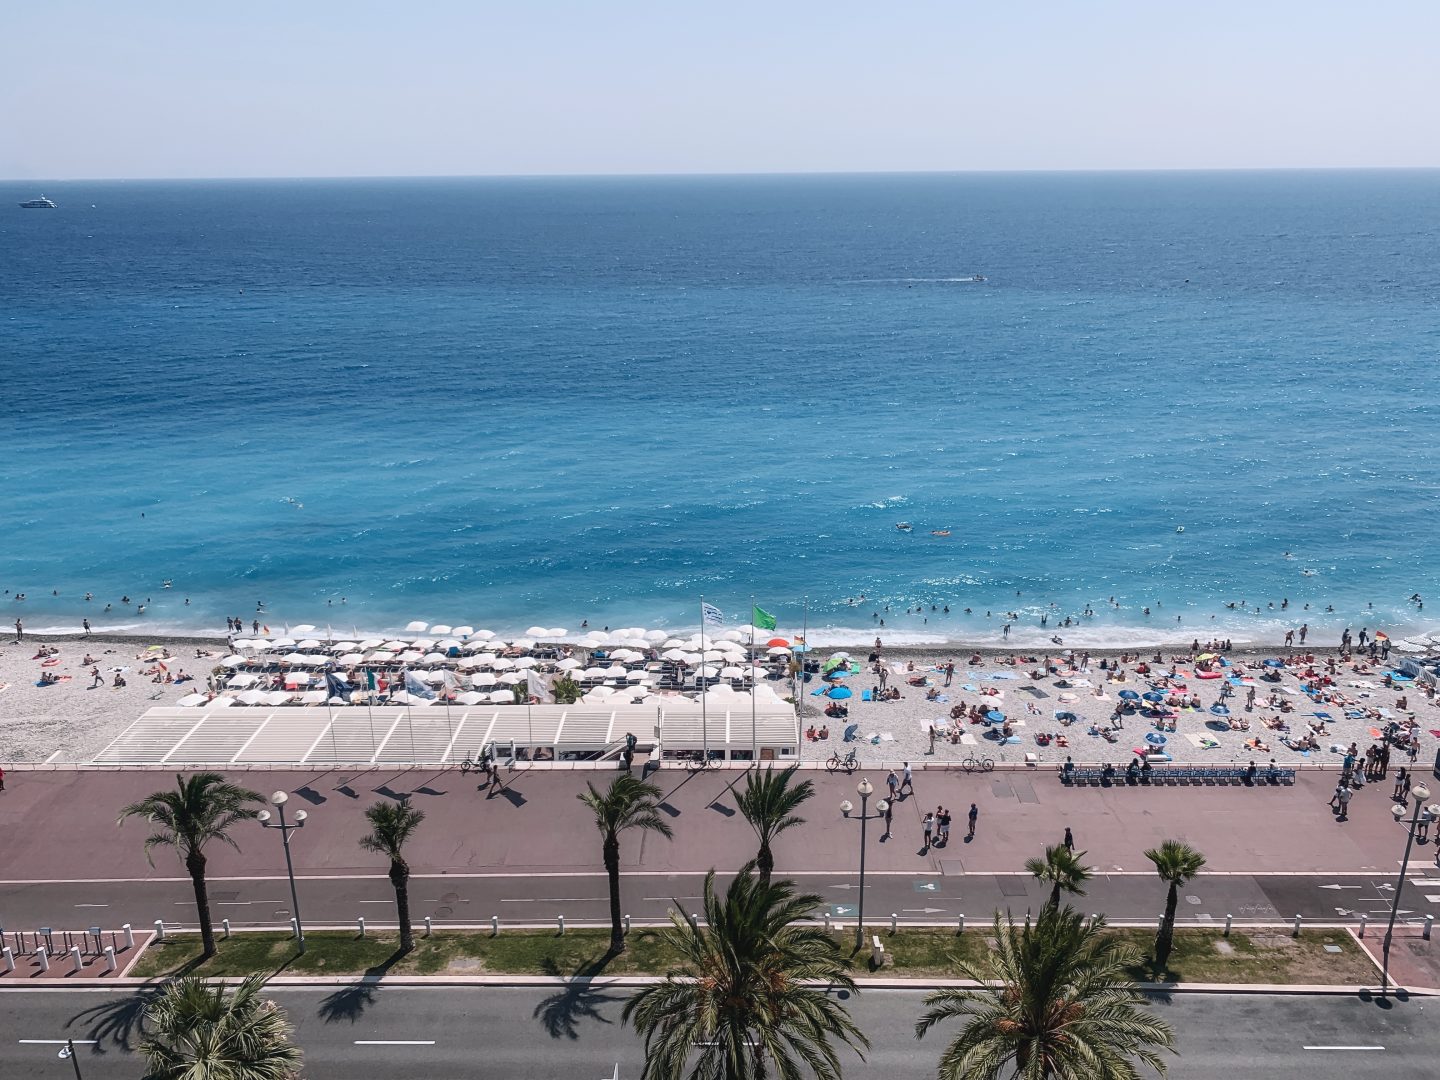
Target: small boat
x=42, y=203
x=939, y=532
x=904, y=526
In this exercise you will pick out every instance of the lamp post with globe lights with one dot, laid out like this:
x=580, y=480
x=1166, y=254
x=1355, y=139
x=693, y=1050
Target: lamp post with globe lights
x=865, y=790
x=279, y=799
x=1419, y=793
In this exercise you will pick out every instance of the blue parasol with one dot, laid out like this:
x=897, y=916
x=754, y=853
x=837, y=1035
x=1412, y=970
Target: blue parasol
x=840, y=692
x=1154, y=695
x=1219, y=710
x=1129, y=695
x=995, y=717
x=1274, y=663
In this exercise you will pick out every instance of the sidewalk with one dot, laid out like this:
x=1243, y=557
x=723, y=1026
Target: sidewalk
x=61, y=825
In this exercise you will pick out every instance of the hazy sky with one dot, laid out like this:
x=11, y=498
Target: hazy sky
x=157, y=88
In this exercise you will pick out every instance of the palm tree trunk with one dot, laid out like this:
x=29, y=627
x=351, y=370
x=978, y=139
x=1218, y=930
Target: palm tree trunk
x=1055, y=895
x=1166, y=937
x=612, y=868
x=195, y=863
x=400, y=878
x=765, y=862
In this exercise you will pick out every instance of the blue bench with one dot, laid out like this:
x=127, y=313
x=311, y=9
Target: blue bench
x=1157, y=775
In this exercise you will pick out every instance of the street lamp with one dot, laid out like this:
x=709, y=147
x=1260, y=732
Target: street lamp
x=279, y=799
x=865, y=789
x=1420, y=793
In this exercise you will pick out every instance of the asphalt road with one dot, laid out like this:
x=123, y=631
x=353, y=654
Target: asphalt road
x=399, y=1033
x=581, y=896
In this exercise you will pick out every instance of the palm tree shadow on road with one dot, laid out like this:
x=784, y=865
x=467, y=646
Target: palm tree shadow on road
x=560, y=1014
x=350, y=1002
x=118, y=1022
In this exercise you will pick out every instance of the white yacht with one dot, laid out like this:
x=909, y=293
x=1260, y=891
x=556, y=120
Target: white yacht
x=42, y=203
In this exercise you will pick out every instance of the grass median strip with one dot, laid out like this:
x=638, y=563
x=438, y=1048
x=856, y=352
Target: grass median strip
x=1199, y=956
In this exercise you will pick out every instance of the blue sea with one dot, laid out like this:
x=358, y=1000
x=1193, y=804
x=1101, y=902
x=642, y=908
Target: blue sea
x=513, y=401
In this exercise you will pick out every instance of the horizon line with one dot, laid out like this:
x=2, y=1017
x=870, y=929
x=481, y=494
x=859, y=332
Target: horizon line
x=1149, y=170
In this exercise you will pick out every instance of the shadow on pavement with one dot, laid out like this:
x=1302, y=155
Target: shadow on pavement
x=118, y=1021
x=349, y=1003
x=560, y=1013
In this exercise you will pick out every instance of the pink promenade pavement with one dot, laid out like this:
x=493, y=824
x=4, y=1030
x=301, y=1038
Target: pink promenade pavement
x=61, y=825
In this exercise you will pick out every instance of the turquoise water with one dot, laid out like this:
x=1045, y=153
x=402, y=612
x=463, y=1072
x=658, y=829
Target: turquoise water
x=505, y=402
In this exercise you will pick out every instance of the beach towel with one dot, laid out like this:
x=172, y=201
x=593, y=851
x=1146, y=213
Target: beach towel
x=864, y=695
x=943, y=699
x=821, y=692
x=1324, y=715
x=970, y=688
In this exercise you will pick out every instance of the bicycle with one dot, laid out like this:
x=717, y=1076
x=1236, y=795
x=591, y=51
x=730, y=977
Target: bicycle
x=974, y=764
x=698, y=762
x=480, y=764
x=849, y=762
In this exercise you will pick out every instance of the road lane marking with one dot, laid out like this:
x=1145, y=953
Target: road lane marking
x=92, y=905
x=1342, y=1047
x=555, y=899
x=394, y=1042
x=56, y=1042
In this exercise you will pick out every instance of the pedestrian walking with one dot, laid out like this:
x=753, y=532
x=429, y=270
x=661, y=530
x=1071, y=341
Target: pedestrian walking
x=1335, y=797
x=1402, y=784
x=932, y=740
x=939, y=826
x=889, y=814
x=974, y=816
x=1069, y=840
x=1345, y=794
x=929, y=826
x=893, y=783
x=2, y=779
x=1422, y=826
x=907, y=785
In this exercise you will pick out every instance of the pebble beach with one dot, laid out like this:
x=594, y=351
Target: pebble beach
x=71, y=720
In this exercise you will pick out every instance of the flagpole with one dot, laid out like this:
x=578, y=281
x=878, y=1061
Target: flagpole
x=704, y=718
x=754, y=749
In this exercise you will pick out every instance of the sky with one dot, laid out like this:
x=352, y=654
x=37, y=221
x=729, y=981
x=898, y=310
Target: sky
x=158, y=88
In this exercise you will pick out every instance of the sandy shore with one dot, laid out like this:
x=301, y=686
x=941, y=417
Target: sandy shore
x=71, y=721
x=1030, y=703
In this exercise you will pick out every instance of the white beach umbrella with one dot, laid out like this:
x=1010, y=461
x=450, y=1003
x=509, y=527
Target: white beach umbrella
x=448, y=643
x=690, y=659
x=655, y=635
x=410, y=656
x=350, y=658
x=415, y=627
x=303, y=628
x=253, y=697
x=502, y=663
x=502, y=697
x=523, y=643
x=222, y=702
x=555, y=633
x=423, y=643
x=189, y=701
x=599, y=694
x=483, y=635
x=462, y=631
x=234, y=661
x=569, y=664
x=310, y=643
x=732, y=635
x=244, y=678
x=468, y=663
x=372, y=643
x=435, y=678
x=777, y=651
x=526, y=662
x=674, y=643
x=708, y=672
x=313, y=697
x=488, y=659
x=470, y=697
x=380, y=656
x=510, y=678
x=637, y=676
x=731, y=672
x=283, y=643
x=536, y=632
x=433, y=658
x=442, y=629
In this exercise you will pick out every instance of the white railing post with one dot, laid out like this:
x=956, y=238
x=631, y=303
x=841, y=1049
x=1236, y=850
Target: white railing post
x=960, y=926
x=429, y=927
x=159, y=929
x=129, y=936
x=1296, y=931
x=8, y=959
x=1364, y=918
x=42, y=958
x=225, y=925
x=494, y=925
x=561, y=920
x=76, y=960
x=360, y=923
x=110, y=964
x=1228, y=920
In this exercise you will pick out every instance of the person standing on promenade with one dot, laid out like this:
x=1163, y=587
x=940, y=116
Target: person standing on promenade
x=974, y=816
x=944, y=824
x=928, y=825
x=1402, y=785
x=2, y=779
x=907, y=785
x=1344, y=795
x=893, y=783
x=889, y=815
x=1069, y=841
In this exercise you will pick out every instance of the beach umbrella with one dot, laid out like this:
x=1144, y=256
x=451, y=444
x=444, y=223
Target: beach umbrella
x=674, y=643
x=372, y=643
x=502, y=697
x=448, y=643
x=1129, y=695
x=441, y=629
x=283, y=643
x=526, y=662
x=593, y=673
x=252, y=697
x=462, y=631
x=840, y=693
x=655, y=635
x=435, y=678
x=350, y=658
x=415, y=627
x=555, y=633
x=1154, y=695
x=423, y=643
x=189, y=701
x=778, y=642
x=483, y=635
x=310, y=643
x=470, y=697
x=995, y=717
x=840, y=656
x=380, y=656
x=1219, y=710
x=1274, y=663
x=396, y=645
x=222, y=702
x=523, y=643
x=433, y=658
x=245, y=678
x=510, y=678
x=314, y=697
x=234, y=661
x=569, y=664
x=502, y=663
x=731, y=672
x=637, y=676
x=344, y=646
x=536, y=632
x=303, y=628
x=777, y=651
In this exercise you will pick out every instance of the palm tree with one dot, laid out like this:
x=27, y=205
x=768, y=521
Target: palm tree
x=629, y=804
x=201, y=809
x=769, y=803
x=196, y=1032
x=752, y=990
x=1053, y=1001
x=391, y=825
x=1177, y=864
x=1063, y=869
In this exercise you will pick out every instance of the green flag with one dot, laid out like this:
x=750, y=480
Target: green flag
x=762, y=620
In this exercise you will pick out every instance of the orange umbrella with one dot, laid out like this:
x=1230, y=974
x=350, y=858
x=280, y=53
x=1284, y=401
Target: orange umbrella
x=778, y=643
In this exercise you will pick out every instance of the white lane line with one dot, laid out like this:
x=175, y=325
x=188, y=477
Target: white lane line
x=554, y=899
x=56, y=1042
x=374, y=901
x=1342, y=1048
x=394, y=1042
x=92, y=905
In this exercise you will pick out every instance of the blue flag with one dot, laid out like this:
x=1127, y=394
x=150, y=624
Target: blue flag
x=414, y=686
x=336, y=687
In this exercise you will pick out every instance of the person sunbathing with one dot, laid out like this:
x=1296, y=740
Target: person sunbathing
x=824, y=732
x=810, y=733
x=932, y=693
x=1254, y=743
